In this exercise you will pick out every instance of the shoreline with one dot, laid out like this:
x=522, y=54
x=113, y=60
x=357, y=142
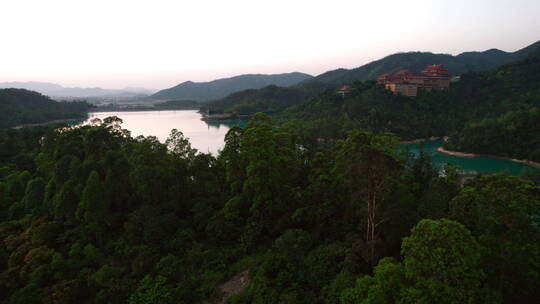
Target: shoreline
x=50, y=122
x=141, y=109
x=471, y=155
x=419, y=140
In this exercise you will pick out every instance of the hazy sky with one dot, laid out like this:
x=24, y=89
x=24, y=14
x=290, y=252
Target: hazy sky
x=159, y=43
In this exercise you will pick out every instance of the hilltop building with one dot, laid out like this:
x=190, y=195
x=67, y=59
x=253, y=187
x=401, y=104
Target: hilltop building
x=406, y=83
x=346, y=89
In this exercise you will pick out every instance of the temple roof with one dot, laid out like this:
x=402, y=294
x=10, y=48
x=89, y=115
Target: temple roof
x=401, y=76
x=345, y=89
x=384, y=78
x=435, y=70
x=403, y=73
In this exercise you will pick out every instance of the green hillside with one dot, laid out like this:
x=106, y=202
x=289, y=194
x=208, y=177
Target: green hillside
x=203, y=91
x=416, y=61
x=251, y=101
x=515, y=134
x=271, y=99
x=19, y=106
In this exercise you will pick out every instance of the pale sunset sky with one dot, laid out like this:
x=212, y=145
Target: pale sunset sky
x=158, y=43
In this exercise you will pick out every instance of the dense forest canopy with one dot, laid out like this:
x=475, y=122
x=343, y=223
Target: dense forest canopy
x=271, y=99
x=93, y=215
x=19, y=106
x=515, y=134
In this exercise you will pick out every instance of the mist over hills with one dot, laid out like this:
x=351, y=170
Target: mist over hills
x=219, y=88
x=57, y=91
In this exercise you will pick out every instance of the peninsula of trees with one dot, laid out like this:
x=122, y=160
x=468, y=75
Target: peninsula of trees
x=19, y=106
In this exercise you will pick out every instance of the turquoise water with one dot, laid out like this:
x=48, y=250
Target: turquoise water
x=472, y=164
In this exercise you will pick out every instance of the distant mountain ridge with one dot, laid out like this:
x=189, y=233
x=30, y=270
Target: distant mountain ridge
x=220, y=88
x=416, y=61
x=57, y=91
x=250, y=101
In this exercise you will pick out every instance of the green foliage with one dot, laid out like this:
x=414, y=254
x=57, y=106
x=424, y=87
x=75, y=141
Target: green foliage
x=384, y=287
x=33, y=197
x=441, y=263
x=270, y=99
x=220, y=88
x=151, y=291
x=179, y=145
x=93, y=207
x=512, y=135
x=443, y=260
x=492, y=112
x=101, y=217
x=503, y=212
x=19, y=106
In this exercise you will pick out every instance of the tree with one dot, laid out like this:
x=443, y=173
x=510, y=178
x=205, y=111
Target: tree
x=151, y=291
x=503, y=212
x=33, y=197
x=442, y=260
x=267, y=187
x=369, y=168
x=93, y=207
x=441, y=265
x=235, y=167
x=179, y=145
x=384, y=286
x=435, y=201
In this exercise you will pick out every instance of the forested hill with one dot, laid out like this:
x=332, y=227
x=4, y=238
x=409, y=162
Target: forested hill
x=477, y=96
x=201, y=91
x=252, y=101
x=506, y=102
x=20, y=106
x=416, y=61
x=270, y=99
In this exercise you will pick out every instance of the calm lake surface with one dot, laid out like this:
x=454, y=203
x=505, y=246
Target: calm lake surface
x=208, y=138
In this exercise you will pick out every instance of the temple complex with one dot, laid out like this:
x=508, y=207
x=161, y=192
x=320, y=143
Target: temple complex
x=406, y=83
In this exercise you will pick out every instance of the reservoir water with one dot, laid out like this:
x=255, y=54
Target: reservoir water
x=208, y=138
x=468, y=164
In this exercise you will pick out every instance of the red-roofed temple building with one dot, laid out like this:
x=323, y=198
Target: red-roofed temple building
x=406, y=83
x=346, y=89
